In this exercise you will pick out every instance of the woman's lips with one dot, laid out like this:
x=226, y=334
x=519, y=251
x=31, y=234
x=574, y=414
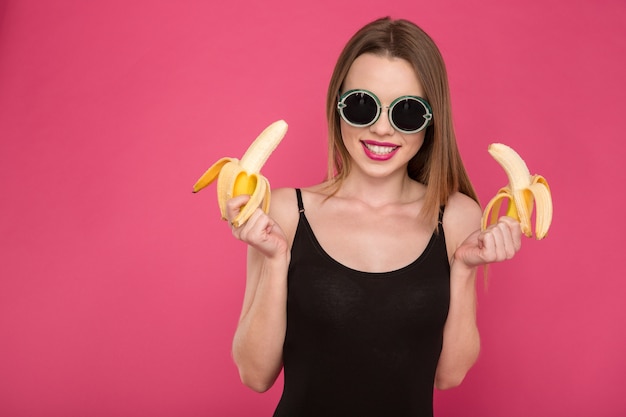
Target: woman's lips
x=379, y=151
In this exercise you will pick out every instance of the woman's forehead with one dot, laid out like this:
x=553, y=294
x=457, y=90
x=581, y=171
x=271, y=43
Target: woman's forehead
x=387, y=77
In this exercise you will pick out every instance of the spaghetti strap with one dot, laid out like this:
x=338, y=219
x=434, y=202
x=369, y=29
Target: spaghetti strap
x=300, y=203
x=440, y=225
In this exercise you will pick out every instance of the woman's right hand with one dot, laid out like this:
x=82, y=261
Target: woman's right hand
x=260, y=231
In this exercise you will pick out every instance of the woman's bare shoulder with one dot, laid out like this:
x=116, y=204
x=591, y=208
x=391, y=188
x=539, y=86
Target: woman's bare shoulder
x=461, y=218
x=459, y=202
x=284, y=201
x=284, y=210
x=322, y=191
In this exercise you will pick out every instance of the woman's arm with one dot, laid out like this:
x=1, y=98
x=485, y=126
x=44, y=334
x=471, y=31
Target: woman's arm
x=258, y=341
x=461, y=340
x=260, y=334
x=470, y=248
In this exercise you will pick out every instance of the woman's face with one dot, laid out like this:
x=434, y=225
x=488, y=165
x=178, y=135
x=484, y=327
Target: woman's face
x=379, y=150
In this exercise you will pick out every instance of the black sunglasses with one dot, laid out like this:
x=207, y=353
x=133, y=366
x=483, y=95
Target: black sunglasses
x=407, y=114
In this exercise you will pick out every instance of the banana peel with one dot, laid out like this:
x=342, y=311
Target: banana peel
x=243, y=176
x=523, y=193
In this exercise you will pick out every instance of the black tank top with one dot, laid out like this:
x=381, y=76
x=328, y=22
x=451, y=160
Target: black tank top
x=358, y=343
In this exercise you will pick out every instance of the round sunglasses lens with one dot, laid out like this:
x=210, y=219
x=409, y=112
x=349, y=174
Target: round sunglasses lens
x=360, y=108
x=408, y=114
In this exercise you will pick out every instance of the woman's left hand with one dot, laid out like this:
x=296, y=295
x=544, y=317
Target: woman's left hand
x=499, y=242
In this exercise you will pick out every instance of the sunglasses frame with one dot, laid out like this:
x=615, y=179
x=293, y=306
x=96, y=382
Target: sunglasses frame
x=428, y=116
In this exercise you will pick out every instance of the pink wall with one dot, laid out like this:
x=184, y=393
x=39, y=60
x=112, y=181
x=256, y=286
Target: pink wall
x=120, y=290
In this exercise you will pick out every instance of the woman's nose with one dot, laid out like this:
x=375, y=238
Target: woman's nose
x=382, y=126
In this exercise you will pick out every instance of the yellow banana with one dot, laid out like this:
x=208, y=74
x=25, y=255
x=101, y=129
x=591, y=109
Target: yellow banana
x=236, y=177
x=523, y=192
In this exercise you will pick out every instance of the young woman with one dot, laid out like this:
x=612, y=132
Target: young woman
x=362, y=288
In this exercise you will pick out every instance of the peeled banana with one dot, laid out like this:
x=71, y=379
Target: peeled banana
x=236, y=177
x=523, y=192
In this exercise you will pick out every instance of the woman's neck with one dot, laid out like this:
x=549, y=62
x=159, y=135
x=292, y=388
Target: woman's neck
x=377, y=192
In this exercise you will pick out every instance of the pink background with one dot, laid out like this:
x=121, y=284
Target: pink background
x=120, y=290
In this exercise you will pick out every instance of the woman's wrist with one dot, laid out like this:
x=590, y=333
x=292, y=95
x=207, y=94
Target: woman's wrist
x=277, y=264
x=460, y=270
